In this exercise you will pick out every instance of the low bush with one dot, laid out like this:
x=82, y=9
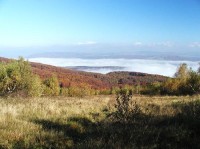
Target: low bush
x=126, y=109
x=51, y=86
x=16, y=77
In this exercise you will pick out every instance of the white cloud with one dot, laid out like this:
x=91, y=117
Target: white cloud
x=87, y=43
x=162, y=44
x=162, y=67
x=166, y=44
x=137, y=43
x=195, y=45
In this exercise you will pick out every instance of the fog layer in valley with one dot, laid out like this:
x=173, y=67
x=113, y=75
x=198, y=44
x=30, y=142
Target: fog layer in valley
x=162, y=67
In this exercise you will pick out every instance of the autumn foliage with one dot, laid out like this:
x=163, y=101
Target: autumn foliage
x=33, y=79
x=16, y=77
x=185, y=82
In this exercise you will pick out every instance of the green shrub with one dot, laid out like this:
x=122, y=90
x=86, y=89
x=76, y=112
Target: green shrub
x=64, y=91
x=193, y=83
x=77, y=91
x=51, y=86
x=152, y=89
x=186, y=82
x=34, y=87
x=105, y=92
x=17, y=77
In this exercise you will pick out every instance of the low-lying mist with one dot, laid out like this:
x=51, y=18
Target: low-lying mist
x=161, y=67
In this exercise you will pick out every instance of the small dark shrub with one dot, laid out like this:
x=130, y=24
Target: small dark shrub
x=126, y=109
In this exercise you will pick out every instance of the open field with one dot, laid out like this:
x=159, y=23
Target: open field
x=63, y=122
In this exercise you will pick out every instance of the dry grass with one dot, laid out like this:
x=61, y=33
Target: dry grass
x=17, y=116
x=63, y=122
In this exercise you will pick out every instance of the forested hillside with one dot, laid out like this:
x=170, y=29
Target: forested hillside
x=69, y=77
x=19, y=75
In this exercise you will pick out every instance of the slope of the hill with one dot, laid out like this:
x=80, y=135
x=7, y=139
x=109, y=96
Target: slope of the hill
x=125, y=77
x=70, y=77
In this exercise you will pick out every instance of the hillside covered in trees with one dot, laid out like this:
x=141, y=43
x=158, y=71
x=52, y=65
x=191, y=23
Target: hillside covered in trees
x=69, y=77
x=34, y=79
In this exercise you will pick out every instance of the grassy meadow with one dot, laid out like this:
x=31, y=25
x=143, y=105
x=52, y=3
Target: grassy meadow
x=66, y=122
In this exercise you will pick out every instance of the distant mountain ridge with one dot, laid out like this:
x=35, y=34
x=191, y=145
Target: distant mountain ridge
x=70, y=77
x=100, y=69
x=126, y=55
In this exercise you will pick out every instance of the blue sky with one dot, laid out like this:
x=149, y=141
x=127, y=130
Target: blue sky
x=148, y=23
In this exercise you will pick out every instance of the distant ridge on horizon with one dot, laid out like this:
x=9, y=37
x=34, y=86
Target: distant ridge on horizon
x=123, y=55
